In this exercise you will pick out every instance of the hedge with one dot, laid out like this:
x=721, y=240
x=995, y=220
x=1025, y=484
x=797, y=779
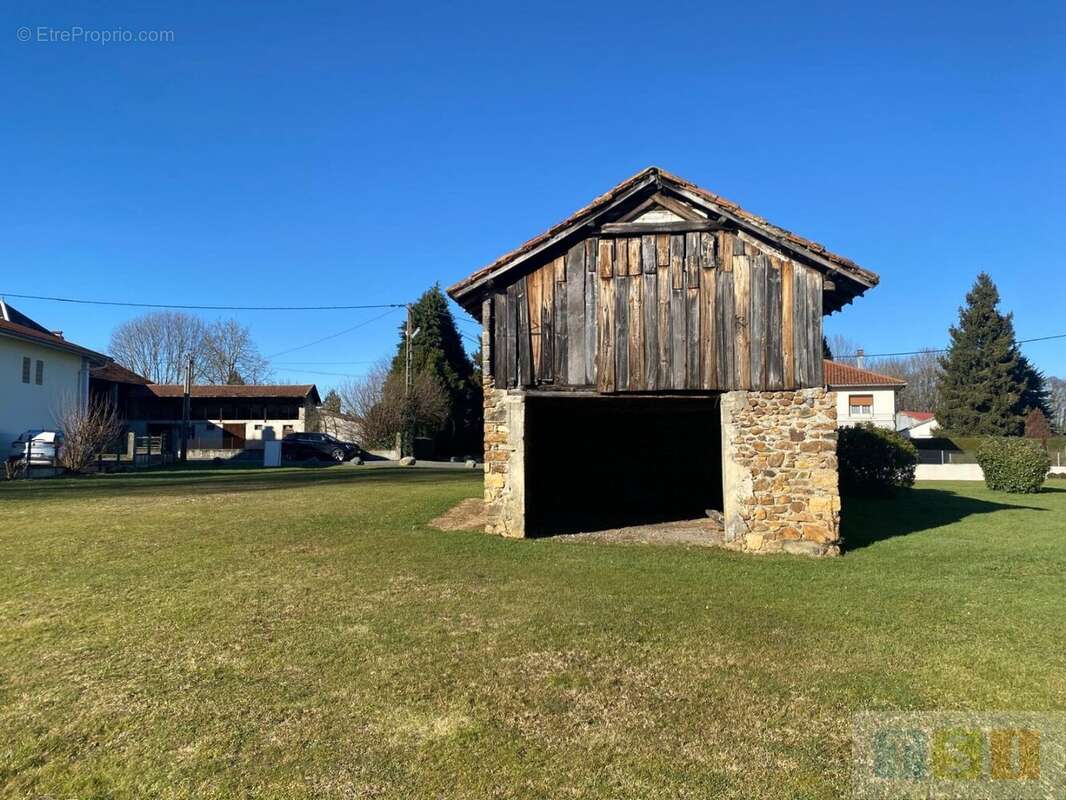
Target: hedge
x=1013, y=464
x=874, y=461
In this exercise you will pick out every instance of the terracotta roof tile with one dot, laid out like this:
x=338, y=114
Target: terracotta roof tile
x=845, y=375
x=236, y=392
x=116, y=373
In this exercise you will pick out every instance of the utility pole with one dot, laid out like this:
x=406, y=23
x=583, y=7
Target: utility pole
x=186, y=410
x=407, y=437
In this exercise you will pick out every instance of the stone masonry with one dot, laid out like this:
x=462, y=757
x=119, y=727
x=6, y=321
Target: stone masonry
x=780, y=472
x=505, y=509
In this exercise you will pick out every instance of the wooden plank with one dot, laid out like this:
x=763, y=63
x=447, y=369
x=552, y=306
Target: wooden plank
x=621, y=331
x=774, y=334
x=605, y=380
x=488, y=343
x=692, y=337
x=725, y=324
x=664, y=291
x=678, y=330
x=575, y=315
x=524, y=376
x=742, y=307
x=708, y=345
x=647, y=254
x=641, y=228
x=757, y=324
x=651, y=328
x=799, y=323
x=634, y=255
x=677, y=262
x=535, y=301
x=592, y=246
x=662, y=250
x=787, y=350
x=592, y=288
x=546, y=373
x=560, y=346
x=816, y=294
x=692, y=260
x=707, y=251
x=500, y=372
x=621, y=257
x=605, y=258
x=725, y=251
x=636, y=330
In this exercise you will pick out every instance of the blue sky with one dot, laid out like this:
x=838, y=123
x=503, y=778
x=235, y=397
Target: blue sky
x=337, y=153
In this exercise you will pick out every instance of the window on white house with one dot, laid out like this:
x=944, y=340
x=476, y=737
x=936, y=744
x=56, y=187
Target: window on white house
x=25, y=369
x=40, y=373
x=861, y=405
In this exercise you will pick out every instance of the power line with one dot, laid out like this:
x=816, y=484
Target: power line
x=335, y=335
x=326, y=363
x=198, y=308
x=942, y=349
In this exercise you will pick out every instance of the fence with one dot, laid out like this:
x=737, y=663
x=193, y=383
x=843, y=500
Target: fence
x=133, y=449
x=1058, y=457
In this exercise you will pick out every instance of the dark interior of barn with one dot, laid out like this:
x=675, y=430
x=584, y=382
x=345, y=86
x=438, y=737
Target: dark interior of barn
x=596, y=463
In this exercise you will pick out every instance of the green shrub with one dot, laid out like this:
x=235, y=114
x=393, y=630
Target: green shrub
x=874, y=461
x=1013, y=464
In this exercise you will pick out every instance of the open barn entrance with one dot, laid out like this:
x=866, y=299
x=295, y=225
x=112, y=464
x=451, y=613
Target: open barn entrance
x=595, y=463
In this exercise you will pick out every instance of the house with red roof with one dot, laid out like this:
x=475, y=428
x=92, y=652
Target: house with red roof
x=863, y=395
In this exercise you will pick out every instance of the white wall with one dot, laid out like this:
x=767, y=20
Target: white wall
x=884, y=407
x=26, y=405
x=923, y=430
x=949, y=472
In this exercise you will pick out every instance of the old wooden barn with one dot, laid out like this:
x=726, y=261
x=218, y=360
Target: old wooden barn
x=657, y=354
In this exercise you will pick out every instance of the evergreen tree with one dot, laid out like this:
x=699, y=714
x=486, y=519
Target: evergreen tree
x=980, y=389
x=826, y=352
x=438, y=351
x=1034, y=389
x=332, y=401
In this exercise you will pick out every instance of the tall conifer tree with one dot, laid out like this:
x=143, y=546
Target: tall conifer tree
x=981, y=386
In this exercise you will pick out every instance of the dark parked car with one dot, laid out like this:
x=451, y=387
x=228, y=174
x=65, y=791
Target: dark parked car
x=300, y=446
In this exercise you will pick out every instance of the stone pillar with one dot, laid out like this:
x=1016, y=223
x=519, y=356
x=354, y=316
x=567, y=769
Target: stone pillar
x=505, y=428
x=779, y=475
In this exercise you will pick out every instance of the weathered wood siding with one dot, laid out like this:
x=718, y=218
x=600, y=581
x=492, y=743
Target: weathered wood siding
x=704, y=311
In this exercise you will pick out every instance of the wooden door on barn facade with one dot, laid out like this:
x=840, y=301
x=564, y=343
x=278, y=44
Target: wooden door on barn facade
x=695, y=311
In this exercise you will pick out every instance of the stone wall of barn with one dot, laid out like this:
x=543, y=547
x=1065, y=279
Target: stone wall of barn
x=780, y=472
x=505, y=508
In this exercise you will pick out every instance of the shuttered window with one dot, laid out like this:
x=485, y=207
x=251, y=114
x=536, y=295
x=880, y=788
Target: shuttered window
x=861, y=405
x=40, y=373
x=25, y=370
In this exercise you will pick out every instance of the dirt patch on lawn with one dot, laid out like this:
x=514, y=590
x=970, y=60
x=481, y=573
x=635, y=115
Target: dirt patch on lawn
x=469, y=515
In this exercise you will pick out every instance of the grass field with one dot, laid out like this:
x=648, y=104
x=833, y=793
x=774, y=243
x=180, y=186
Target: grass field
x=301, y=633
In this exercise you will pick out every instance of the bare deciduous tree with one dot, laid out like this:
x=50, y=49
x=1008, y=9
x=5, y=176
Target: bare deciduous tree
x=86, y=431
x=1057, y=390
x=844, y=349
x=158, y=345
x=229, y=355
x=383, y=407
x=922, y=375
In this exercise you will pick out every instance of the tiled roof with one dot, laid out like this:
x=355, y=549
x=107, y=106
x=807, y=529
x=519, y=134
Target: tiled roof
x=921, y=416
x=844, y=375
x=235, y=392
x=49, y=340
x=844, y=265
x=116, y=373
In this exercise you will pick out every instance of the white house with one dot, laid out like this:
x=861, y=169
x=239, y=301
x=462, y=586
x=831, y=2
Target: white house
x=41, y=373
x=862, y=395
x=917, y=424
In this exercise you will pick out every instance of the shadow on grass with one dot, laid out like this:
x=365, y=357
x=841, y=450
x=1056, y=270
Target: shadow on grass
x=219, y=479
x=865, y=521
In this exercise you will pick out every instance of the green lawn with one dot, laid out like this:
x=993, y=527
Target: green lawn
x=301, y=633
